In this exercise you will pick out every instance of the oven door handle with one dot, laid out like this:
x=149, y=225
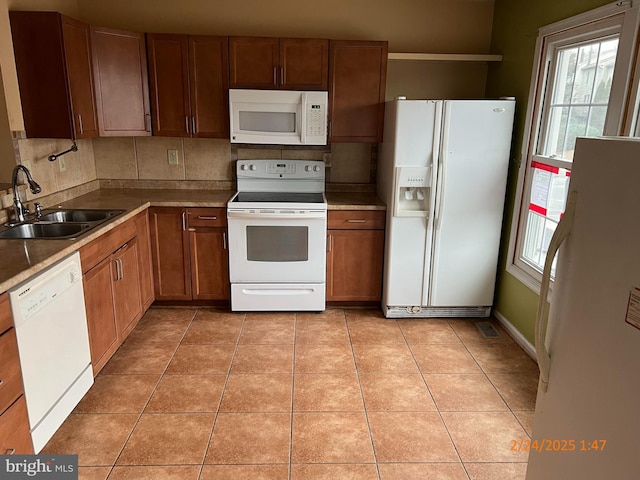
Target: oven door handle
x=277, y=216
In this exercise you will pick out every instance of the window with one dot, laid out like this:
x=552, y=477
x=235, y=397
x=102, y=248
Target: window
x=580, y=88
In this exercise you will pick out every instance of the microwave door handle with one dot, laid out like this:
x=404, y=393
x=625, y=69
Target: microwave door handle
x=303, y=117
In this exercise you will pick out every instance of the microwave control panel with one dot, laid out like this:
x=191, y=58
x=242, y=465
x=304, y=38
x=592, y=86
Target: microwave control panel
x=315, y=119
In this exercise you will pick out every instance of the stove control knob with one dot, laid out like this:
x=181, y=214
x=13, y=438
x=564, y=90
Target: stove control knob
x=307, y=168
x=252, y=167
x=316, y=168
x=243, y=167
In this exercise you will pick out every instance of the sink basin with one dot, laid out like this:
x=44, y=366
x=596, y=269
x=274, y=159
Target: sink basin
x=46, y=230
x=79, y=215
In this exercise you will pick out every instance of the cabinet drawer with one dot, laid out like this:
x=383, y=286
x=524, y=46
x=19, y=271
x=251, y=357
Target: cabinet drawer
x=207, y=217
x=103, y=246
x=10, y=377
x=14, y=424
x=6, y=320
x=355, y=219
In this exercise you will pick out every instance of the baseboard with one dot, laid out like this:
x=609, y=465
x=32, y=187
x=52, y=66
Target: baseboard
x=516, y=335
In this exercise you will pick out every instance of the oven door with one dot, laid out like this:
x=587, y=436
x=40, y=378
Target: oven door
x=277, y=247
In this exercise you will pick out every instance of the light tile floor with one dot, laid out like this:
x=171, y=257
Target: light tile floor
x=202, y=394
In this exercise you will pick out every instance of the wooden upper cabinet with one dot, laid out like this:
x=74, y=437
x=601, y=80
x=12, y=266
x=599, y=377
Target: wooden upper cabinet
x=169, y=84
x=278, y=63
x=209, y=78
x=54, y=65
x=253, y=62
x=189, y=85
x=357, y=82
x=121, y=82
x=304, y=64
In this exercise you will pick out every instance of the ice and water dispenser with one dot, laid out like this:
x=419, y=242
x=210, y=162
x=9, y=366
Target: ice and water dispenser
x=413, y=192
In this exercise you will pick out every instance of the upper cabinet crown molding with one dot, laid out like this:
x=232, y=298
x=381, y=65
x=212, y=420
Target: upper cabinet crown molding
x=445, y=57
x=54, y=64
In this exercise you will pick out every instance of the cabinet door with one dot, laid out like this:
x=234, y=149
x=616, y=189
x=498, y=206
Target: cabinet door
x=126, y=289
x=14, y=425
x=354, y=265
x=144, y=260
x=169, y=84
x=77, y=48
x=357, y=81
x=209, y=77
x=121, y=82
x=209, y=263
x=253, y=62
x=170, y=253
x=304, y=64
x=101, y=320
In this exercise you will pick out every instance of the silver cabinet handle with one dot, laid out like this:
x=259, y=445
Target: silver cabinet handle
x=186, y=123
x=80, y=123
x=354, y=220
x=184, y=220
x=115, y=262
x=147, y=122
x=1, y=382
x=275, y=75
x=10, y=451
x=205, y=217
x=119, y=272
x=224, y=240
x=193, y=124
x=329, y=243
x=282, y=75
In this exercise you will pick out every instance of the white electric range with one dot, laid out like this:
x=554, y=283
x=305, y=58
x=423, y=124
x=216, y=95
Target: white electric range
x=277, y=236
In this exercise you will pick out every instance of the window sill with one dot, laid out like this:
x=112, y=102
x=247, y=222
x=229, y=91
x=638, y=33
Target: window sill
x=525, y=278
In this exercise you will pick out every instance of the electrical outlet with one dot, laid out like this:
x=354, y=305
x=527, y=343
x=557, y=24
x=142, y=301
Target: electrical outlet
x=172, y=157
x=62, y=164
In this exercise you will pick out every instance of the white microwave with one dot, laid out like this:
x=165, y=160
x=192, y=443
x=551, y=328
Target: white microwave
x=279, y=117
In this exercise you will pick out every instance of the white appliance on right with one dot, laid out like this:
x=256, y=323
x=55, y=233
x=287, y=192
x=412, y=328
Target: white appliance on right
x=442, y=173
x=587, y=420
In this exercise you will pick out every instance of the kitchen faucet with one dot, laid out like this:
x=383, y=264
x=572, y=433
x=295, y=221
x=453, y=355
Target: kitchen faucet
x=19, y=209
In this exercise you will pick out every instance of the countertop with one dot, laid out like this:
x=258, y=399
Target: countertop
x=20, y=259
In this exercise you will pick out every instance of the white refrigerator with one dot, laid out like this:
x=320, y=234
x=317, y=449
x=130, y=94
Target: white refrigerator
x=442, y=173
x=587, y=419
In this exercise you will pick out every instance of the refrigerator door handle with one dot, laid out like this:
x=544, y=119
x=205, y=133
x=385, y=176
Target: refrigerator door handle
x=542, y=317
x=442, y=168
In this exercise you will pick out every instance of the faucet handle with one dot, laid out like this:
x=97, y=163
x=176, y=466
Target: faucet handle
x=38, y=209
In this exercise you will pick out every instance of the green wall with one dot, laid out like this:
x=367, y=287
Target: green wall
x=515, y=29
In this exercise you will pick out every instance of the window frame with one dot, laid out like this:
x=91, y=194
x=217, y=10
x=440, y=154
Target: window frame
x=622, y=113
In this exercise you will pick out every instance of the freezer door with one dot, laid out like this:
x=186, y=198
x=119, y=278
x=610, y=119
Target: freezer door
x=412, y=133
x=473, y=164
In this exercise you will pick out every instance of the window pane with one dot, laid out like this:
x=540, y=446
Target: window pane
x=582, y=79
x=546, y=204
x=604, y=72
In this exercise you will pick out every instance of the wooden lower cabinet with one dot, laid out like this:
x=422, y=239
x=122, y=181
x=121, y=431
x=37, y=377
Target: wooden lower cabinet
x=111, y=290
x=15, y=436
x=209, y=263
x=144, y=260
x=189, y=251
x=355, y=249
x=170, y=253
x=101, y=318
x=126, y=293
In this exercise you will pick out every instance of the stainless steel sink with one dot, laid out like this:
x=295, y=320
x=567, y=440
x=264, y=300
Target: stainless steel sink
x=60, y=224
x=77, y=215
x=46, y=230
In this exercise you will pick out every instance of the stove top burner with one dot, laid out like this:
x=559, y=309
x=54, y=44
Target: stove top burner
x=279, y=197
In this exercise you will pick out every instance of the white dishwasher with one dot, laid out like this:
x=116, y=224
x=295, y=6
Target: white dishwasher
x=53, y=344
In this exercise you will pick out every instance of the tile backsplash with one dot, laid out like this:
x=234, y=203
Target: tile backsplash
x=130, y=162
x=204, y=159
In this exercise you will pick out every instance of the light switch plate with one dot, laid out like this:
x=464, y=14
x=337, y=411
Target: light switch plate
x=172, y=157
